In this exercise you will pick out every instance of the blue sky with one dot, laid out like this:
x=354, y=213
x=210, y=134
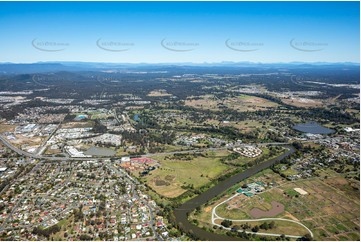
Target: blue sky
x=133, y=32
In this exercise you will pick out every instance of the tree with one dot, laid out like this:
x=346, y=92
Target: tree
x=227, y=223
x=85, y=237
x=235, y=228
x=265, y=226
x=306, y=237
x=272, y=224
x=255, y=229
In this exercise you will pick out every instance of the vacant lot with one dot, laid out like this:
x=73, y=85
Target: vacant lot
x=244, y=126
x=249, y=103
x=303, y=102
x=242, y=103
x=159, y=93
x=204, y=102
x=175, y=173
x=27, y=141
x=7, y=128
x=80, y=124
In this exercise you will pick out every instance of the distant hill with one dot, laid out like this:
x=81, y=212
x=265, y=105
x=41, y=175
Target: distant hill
x=10, y=68
x=43, y=67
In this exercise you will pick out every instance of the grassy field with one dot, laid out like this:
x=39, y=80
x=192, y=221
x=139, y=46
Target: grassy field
x=157, y=93
x=101, y=116
x=196, y=172
x=303, y=103
x=281, y=227
x=245, y=126
x=173, y=148
x=120, y=152
x=250, y=103
x=80, y=124
x=205, y=102
x=241, y=103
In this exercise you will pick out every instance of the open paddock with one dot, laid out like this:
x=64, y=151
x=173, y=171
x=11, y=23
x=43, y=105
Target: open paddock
x=184, y=173
x=241, y=103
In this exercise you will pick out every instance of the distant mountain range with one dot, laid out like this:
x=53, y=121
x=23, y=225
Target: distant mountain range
x=39, y=67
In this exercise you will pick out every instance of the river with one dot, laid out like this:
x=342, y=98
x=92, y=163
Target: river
x=181, y=212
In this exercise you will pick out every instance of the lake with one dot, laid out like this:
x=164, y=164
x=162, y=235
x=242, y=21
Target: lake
x=136, y=117
x=313, y=128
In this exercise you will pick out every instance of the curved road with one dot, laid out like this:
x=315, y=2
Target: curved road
x=215, y=216
x=181, y=212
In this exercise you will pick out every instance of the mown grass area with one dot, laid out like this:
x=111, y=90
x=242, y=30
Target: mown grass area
x=235, y=213
x=245, y=126
x=174, y=148
x=281, y=227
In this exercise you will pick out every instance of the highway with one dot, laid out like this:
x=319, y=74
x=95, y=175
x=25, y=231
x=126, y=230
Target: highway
x=38, y=156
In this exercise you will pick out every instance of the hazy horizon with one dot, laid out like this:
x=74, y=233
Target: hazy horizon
x=180, y=63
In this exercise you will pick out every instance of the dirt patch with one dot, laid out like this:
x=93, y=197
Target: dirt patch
x=207, y=209
x=7, y=128
x=288, y=215
x=80, y=124
x=242, y=103
x=159, y=182
x=159, y=93
x=205, y=102
x=276, y=209
x=171, y=193
x=302, y=102
x=336, y=181
x=169, y=178
x=30, y=141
